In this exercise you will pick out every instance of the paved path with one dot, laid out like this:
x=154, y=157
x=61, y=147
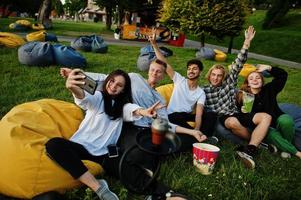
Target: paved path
x=193, y=44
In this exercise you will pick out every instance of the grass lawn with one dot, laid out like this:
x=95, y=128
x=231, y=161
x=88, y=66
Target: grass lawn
x=273, y=178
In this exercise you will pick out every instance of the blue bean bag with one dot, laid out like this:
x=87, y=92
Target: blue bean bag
x=82, y=43
x=36, y=53
x=205, y=53
x=98, y=45
x=67, y=56
x=50, y=37
x=295, y=112
x=147, y=55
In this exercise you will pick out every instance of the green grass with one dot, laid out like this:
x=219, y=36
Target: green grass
x=274, y=178
x=283, y=42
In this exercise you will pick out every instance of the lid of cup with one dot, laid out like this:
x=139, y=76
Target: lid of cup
x=160, y=124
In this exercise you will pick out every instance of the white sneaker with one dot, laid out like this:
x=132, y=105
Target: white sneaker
x=246, y=159
x=104, y=193
x=285, y=155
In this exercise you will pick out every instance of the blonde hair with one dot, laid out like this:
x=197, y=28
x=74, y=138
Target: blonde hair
x=217, y=66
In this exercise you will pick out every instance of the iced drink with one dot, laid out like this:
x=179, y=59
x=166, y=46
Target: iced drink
x=248, y=100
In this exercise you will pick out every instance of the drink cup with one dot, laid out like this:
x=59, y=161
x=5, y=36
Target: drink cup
x=157, y=136
x=204, y=157
x=248, y=100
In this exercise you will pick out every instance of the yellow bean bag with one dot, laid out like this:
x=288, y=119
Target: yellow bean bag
x=11, y=40
x=37, y=26
x=26, y=170
x=219, y=56
x=24, y=22
x=36, y=36
x=246, y=70
x=166, y=91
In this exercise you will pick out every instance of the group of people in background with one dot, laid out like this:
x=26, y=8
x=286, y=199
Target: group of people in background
x=129, y=97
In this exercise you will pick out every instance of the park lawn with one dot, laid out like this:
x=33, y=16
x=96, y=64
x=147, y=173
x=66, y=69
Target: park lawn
x=273, y=178
x=283, y=42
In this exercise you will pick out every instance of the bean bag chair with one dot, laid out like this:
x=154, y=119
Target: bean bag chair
x=98, y=45
x=147, y=55
x=36, y=36
x=26, y=170
x=246, y=70
x=37, y=26
x=82, y=43
x=295, y=112
x=36, y=53
x=17, y=27
x=24, y=22
x=49, y=37
x=67, y=56
x=219, y=56
x=205, y=53
x=10, y=40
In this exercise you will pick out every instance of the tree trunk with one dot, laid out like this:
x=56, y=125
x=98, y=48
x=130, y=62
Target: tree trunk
x=108, y=18
x=202, y=40
x=44, y=13
x=230, y=44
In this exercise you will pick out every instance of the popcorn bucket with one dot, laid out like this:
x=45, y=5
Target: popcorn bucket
x=204, y=157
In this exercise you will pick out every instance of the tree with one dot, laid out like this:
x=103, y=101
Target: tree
x=73, y=6
x=109, y=6
x=44, y=14
x=276, y=13
x=218, y=18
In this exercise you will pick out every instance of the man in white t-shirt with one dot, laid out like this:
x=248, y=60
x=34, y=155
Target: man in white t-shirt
x=188, y=99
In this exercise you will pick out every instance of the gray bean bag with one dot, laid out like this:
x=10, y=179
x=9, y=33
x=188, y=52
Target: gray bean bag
x=36, y=53
x=98, y=45
x=67, y=56
x=205, y=53
x=82, y=43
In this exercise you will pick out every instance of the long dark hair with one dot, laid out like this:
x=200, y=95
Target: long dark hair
x=114, y=110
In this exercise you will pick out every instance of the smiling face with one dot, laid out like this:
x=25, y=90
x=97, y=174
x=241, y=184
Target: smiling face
x=155, y=73
x=115, y=85
x=255, y=80
x=193, y=72
x=216, y=77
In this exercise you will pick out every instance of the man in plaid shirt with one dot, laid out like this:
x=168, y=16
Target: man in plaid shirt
x=221, y=98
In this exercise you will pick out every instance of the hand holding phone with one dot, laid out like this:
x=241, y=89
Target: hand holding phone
x=90, y=84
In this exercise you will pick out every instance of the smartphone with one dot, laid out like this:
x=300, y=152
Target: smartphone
x=112, y=151
x=90, y=84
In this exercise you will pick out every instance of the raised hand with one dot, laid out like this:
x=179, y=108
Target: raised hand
x=249, y=35
x=151, y=111
x=152, y=37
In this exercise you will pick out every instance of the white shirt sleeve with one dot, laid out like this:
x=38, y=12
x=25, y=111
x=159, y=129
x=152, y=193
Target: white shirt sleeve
x=89, y=101
x=128, y=110
x=202, y=98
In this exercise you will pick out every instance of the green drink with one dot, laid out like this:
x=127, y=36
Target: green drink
x=248, y=100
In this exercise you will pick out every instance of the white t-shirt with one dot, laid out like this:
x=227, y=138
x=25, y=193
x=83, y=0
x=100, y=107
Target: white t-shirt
x=183, y=99
x=97, y=130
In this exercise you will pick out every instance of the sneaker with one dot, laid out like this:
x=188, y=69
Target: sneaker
x=148, y=197
x=272, y=148
x=285, y=155
x=104, y=192
x=246, y=159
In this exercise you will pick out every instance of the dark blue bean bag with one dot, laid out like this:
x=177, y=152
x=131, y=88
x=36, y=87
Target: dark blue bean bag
x=147, y=55
x=67, y=56
x=36, y=53
x=223, y=133
x=98, y=45
x=295, y=112
x=205, y=53
x=50, y=37
x=82, y=43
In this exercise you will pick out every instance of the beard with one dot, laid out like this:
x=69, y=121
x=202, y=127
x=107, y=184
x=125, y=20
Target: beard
x=193, y=78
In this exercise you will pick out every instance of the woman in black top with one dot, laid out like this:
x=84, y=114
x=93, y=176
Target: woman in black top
x=282, y=129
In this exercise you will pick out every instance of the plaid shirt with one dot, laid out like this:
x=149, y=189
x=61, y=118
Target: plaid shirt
x=222, y=99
